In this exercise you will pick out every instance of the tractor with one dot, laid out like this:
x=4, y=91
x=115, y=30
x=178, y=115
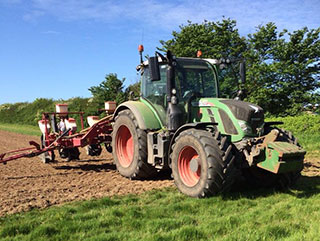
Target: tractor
x=182, y=123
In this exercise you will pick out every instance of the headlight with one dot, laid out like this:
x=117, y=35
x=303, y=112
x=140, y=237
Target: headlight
x=245, y=127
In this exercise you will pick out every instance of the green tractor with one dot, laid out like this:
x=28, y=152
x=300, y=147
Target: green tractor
x=181, y=123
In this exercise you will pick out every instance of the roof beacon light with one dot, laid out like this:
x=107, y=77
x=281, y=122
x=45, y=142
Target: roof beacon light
x=140, y=48
x=199, y=53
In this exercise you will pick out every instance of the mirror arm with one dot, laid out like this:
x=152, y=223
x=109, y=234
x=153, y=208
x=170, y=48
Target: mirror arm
x=161, y=56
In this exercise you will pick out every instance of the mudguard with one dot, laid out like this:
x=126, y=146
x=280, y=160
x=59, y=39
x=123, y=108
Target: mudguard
x=145, y=117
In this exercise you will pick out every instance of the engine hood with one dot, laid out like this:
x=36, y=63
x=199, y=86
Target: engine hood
x=245, y=111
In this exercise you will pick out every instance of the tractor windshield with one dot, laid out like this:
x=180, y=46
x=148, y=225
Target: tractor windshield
x=192, y=77
x=195, y=77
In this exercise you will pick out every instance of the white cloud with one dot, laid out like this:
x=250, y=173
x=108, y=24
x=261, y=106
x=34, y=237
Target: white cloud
x=168, y=15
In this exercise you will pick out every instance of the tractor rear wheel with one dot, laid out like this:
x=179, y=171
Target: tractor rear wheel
x=202, y=163
x=258, y=177
x=129, y=147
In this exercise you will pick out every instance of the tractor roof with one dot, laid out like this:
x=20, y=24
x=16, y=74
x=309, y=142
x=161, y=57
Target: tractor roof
x=211, y=61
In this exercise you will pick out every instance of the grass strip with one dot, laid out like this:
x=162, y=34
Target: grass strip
x=262, y=214
x=22, y=129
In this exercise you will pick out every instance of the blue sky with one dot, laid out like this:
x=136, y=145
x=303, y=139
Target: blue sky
x=58, y=49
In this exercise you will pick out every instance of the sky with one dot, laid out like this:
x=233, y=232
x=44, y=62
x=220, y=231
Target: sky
x=60, y=48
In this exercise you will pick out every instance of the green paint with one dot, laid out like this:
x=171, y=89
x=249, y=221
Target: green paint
x=158, y=112
x=214, y=105
x=158, y=115
x=145, y=115
x=281, y=157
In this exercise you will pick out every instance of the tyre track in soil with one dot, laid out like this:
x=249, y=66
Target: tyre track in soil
x=28, y=183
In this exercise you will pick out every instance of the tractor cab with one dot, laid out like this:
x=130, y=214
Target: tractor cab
x=193, y=78
x=186, y=90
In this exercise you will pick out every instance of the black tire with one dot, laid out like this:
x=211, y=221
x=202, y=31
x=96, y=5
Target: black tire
x=129, y=145
x=69, y=154
x=202, y=163
x=108, y=147
x=73, y=154
x=258, y=177
x=47, y=156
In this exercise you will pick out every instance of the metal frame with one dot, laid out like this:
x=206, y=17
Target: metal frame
x=98, y=133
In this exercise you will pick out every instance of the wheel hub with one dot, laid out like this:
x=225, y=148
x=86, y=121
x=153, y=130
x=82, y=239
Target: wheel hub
x=194, y=165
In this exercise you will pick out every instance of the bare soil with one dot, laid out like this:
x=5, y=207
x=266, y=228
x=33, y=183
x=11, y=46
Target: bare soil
x=28, y=183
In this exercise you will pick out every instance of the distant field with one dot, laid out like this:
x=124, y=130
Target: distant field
x=22, y=129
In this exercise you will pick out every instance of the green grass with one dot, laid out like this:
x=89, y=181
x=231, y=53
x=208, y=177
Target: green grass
x=22, y=129
x=311, y=143
x=169, y=215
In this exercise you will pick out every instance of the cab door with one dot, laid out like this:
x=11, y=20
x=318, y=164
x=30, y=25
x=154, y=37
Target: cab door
x=155, y=92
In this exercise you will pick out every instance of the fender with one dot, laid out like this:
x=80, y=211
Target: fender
x=145, y=117
x=195, y=125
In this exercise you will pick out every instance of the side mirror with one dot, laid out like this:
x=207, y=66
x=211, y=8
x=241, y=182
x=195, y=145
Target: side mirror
x=154, y=68
x=242, y=72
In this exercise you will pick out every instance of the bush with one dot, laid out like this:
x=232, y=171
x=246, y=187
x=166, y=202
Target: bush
x=29, y=113
x=303, y=124
x=25, y=113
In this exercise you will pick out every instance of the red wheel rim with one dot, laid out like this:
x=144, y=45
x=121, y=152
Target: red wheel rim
x=124, y=146
x=188, y=176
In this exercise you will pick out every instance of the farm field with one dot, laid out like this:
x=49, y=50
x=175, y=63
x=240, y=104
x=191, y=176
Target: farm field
x=91, y=201
x=28, y=183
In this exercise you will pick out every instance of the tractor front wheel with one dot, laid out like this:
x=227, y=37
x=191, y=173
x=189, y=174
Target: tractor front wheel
x=202, y=163
x=129, y=147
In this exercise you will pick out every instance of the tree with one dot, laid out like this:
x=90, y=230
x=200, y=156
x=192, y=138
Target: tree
x=111, y=89
x=214, y=39
x=283, y=69
x=133, y=91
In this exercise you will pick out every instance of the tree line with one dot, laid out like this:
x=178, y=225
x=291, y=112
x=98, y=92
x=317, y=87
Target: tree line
x=282, y=67
x=111, y=88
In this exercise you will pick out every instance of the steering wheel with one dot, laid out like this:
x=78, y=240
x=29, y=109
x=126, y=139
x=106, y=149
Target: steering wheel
x=186, y=94
x=193, y=95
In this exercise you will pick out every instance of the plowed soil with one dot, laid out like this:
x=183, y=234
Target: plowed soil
x=28, y=183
